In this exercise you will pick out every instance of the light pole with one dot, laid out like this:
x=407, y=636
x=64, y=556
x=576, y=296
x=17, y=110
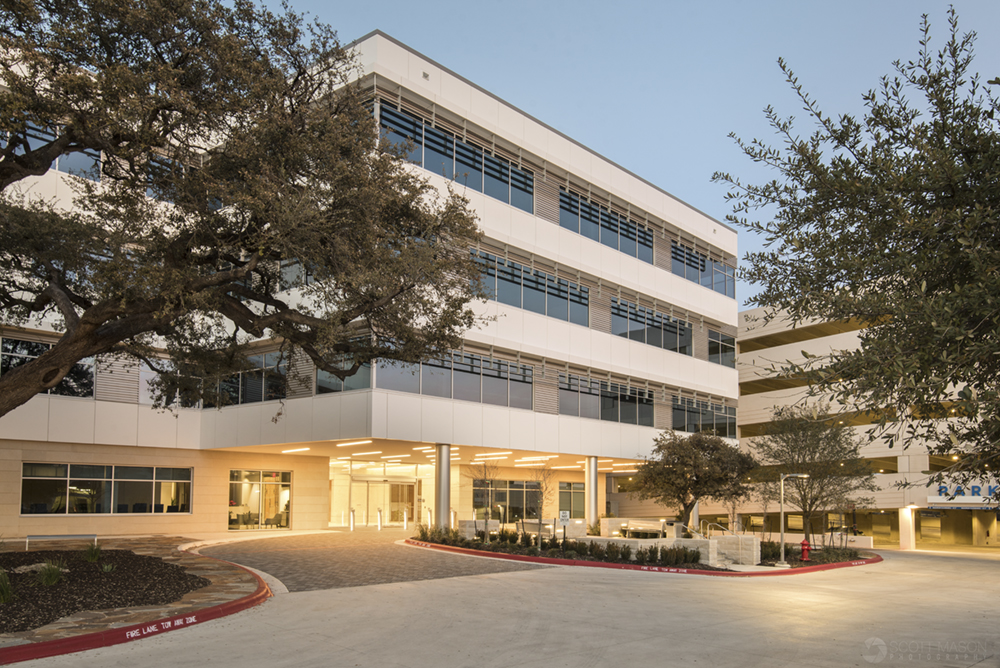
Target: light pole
x=781, y=503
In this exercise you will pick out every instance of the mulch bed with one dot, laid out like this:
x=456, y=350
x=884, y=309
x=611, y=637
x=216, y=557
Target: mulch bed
x=135, y=581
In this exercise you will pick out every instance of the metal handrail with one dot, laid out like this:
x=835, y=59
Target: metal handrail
x=715, y=524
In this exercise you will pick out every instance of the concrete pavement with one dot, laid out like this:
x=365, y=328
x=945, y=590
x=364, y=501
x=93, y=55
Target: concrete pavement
x=913, y=609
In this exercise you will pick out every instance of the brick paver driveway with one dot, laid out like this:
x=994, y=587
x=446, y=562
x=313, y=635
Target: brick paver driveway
x=346, y=559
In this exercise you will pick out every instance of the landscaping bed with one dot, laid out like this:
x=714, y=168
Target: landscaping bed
x=770, y=554
x=510, y=542
x=118, y=579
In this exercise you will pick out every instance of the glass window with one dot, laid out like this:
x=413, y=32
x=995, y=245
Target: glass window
x=557, y=301
x=628, y=237
x=670, y=334
x=569, y=395
x=522, y=189
x=361, y=379
x=609, y=228
x=619, y=318
x=637, y=323
x=654, y=329
x=495, y=382
x=326, y=382
x=684, y=342
x=628, y=406
x=439, y=152
x=579, y=305
x=85, y=164
x=497, y=181
x=90, y=496
x=78, y=382
x=509, y=283
x=42, y=497
x=133, y=497
x=133, y=472
x=469, y=165
x=534, y=291
x=645, y=242
x=399, y=127
x=590, y=398
x=44, y=470
x=93, y=472
x=569, y=210
x=590, y=216
x=520, y=387
x=609, y=402
x=398, y=376
x=172, y=497
x=646, y=408
x=164, y=473
x=435, y=377
x=468, y=377
x=488, y=270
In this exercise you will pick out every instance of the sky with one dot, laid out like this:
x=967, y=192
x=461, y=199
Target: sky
x=657, y=87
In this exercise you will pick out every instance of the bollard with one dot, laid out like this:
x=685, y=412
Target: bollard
x=430, y=519
x=352, y=519
x=452, y=526
x=404, y=520
x=379, y=519
x=805, y=550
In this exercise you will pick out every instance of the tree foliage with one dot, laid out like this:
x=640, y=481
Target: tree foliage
x=891, y=219
x=683, y=470
x=275, y=211
x=804, y=439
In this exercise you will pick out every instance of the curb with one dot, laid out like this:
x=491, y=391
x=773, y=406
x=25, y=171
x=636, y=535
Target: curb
x=123, y=634
x=778, y=572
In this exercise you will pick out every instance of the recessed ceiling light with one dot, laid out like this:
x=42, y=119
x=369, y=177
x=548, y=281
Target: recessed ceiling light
x=344, y=445
x=285, y=452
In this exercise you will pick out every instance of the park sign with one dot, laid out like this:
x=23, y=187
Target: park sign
x=964, y=497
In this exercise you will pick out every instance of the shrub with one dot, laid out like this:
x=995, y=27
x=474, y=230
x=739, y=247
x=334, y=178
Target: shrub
x=6, y=590
x=423, y=533
x=831, y=555
x=770, y=550
x=626, y=554
x=526, y=539
x=612, y=552
x=532, y=552
x=108, y=568
x=92, y=553
x=51, y=573
x=642, y=554
x=568, y=555
x=597, y=551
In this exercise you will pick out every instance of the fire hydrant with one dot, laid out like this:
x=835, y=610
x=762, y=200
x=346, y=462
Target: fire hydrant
x=805, y=550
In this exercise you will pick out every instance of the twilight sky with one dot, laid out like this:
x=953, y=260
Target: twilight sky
x=658, y=86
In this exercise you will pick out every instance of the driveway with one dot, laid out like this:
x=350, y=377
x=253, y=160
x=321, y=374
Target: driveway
x=331, y=560
x=913, y=609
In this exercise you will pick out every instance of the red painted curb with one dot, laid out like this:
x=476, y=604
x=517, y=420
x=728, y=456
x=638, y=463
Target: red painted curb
x=40, y=650
x=652, y=569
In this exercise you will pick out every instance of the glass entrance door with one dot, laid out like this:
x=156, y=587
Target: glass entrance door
x=401, y=498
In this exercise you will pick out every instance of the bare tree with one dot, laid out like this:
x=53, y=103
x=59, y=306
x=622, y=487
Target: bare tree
x=487, y=471
x=545, y=478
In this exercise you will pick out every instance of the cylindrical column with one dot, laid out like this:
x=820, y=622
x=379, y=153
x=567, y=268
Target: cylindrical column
x=590, y=491
x=442, y=484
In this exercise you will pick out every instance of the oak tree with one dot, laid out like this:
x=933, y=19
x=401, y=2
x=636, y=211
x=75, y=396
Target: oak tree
x=230, y=187
x=682, y=470
x=892, y=220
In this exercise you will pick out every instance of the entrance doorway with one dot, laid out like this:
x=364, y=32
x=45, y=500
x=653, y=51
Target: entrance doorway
x=368, y=497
